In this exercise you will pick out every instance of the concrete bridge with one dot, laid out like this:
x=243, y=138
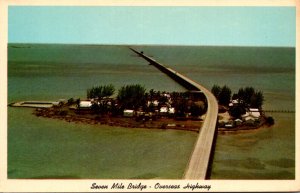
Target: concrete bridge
x=198, y=166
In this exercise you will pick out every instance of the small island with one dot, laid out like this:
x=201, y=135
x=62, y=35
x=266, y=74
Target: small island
x=242, y=110
x=133, y=107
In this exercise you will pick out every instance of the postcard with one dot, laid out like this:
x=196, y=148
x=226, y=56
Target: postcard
x=122, y=96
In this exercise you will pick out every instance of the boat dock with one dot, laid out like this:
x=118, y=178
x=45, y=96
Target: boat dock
x=199, y=163
x=35, y=104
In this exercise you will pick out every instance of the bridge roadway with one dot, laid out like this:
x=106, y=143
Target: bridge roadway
x=198, y=165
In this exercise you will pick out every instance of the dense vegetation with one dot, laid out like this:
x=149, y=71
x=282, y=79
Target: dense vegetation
x=246, y=100
x=248, y=96
x=132, y=96
x=135, y=97
x=100, y=91
x=223, y=94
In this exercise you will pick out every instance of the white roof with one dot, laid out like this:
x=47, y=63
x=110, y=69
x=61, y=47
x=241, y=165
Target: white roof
x=128, y=111
x=163, y=109
x=245, y=115
x=85, y=104
x=251, y=114
x=253, y=110
x=171, y=110
x=249, y=119
x=255, y=114
x=238, y=120
x=155, y=102
x=235, y=101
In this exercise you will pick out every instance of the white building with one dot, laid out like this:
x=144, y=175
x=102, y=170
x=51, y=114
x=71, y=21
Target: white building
x=234, y=102
x=163, y=110
x=85, y=104
x=254, y=112
x=250, y=120
x=128, y=113
x=238, y=122
x=171, y=110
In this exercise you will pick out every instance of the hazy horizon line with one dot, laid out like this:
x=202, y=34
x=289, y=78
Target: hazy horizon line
x=176, y=45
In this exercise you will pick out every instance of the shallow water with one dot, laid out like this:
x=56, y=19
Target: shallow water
x=267, y=153
x=45, y=148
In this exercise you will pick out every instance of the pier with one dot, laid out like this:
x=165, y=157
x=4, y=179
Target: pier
x=198, y=166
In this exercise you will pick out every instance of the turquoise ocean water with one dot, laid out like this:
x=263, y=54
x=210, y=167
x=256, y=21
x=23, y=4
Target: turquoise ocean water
x=46, y=148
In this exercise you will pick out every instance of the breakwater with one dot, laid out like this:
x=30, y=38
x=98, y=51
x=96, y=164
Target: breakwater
x=279, y=111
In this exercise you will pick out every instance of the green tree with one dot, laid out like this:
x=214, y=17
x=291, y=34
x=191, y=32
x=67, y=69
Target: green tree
x=257, y=99
x=216, y=90
x=100, y=91
x=181, y=107
x=250, y=97
x=197, y=108
x=132, y=96
x=249, y=92
x=235, y=96
x=71, y=101
x=151, y=94
x=162, y=100
x=224, y=96
x=237, y=111
x=241, y=95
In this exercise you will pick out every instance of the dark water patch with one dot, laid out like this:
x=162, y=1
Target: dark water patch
x=18, y=47
x=16, y=174
x=282, y=163
x=204, y=56
x=56, y=177
x=249, y=163
x=146, y=176
x=246, y=175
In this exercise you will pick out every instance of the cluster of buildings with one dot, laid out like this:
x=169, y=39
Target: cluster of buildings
x=161, y=105
x=251, y=117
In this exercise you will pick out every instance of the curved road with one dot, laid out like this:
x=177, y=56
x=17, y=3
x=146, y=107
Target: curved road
x=199, y=161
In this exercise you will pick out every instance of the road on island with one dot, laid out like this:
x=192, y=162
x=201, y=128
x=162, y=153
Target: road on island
x=199, y=161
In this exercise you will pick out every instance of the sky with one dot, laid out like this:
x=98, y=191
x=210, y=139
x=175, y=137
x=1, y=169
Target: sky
x=232, y=26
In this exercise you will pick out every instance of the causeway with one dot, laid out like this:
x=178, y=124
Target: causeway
x=198, y=166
